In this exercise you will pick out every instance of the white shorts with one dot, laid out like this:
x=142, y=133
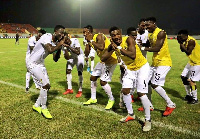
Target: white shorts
x=92, y=52
x=78, y=61
x=137, y=79
x=192, y=72
x=104, y=71
x=158, y=74
x=39, y=73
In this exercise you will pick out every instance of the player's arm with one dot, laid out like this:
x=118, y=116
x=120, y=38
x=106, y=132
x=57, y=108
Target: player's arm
x=87, y=50
x=100, y=43
x=190, y=47
x=159, y=43
x=31, y=48
x=56, y=55
x=131, y=50
x=108, y=53
x=51, y=48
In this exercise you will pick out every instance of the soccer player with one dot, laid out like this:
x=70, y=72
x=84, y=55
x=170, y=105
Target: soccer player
x=31, y=44
x=17, y=38
x=161, y=61
x=76, y=58
x=136, y=69
x=44, y=46
x=91, y=56
x=191, y=72
x=104, y=70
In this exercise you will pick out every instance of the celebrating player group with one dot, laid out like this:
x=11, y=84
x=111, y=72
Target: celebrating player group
x=129, y=52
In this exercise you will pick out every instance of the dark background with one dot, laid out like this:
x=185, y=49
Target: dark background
x=172, y=15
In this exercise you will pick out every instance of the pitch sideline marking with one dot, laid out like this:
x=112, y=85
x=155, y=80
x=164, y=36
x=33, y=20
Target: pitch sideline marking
x=158, y=124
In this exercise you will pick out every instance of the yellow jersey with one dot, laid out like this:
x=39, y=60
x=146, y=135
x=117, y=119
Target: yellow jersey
x=195, y=55
x=161, y=58
x=131, y=64
x=113, y=58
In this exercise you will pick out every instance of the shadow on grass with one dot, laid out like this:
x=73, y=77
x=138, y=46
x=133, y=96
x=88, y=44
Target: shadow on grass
x=50, y=96
x=64, y=84
x=174, y=93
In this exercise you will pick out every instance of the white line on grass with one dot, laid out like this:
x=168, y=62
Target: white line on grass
x=98, y=108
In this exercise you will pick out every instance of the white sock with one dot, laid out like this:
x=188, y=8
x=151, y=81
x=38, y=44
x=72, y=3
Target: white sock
x=146, y=105
x=28, y=76
x=80, y=82
x=43, y=97
x=127, y=100
x=38, y=102
x=149, y=93
x=194, y=94
x=69, y=81
x=164, y=95
x=187, y=89
x=92, y=65
x=108, y=91
x=93, y=89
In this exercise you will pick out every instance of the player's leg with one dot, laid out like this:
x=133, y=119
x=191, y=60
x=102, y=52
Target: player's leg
x=106, y=76
x=142, y=89
x=69, y=67
x=186, y=83
x=157, y=82
x=92, y=64
x=87, y=64
x=28, y=76
x=80, y=66
x=93, y=78
x=194, y=76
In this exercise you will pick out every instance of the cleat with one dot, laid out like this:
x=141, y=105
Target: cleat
x=37, y=109
x=88, y=69
x=68, y=91
x=142, y=109
x=27, y=90
x=188, y=98
x=127, y=118
x=90, y=101
x=110, y=104
x=46, y=113
x=91, y=72
x=193, y=101
x=79, y=94
x=147, y=126
x=168, y=110
x=122, y=105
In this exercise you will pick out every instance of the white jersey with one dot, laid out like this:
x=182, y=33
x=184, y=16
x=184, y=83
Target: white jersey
x=39, y=52
x=31, y=42
x=74, y=44
x=143, y=37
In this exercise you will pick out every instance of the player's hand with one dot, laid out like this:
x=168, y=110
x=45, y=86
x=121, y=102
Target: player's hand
x=114, y=46
x=88, y=36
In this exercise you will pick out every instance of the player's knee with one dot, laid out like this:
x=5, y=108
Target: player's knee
x=154, y=86
x=103, y=83
x=47, y=86
x=126, y=91
x=185, y=80
x=68, y=71
x=79, y=73
x=140, y=94
x=93, y=78
x=92, y=58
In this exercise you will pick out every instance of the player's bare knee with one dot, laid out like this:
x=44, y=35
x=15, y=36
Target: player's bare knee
x=79, y=73
x=154, y=86
x=47, y=87
x=93, y=78
x=125, y=91
x=140, y=94
x=103, y=83
x=92, y=58
x=68, y=71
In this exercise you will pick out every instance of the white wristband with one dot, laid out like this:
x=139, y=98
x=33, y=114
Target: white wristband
x=142, y=48
x=119, y=47
x=91, y=41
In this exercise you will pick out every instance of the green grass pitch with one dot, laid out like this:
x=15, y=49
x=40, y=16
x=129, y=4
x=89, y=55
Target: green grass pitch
x=71, y=119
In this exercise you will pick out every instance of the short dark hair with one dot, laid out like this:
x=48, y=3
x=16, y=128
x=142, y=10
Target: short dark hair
x=113, y=28
x=89, y=27
x=57, y=27
x=183, y=31
x=130, y=29
x=42, y=31
x=142, y=20
x=151, y=19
